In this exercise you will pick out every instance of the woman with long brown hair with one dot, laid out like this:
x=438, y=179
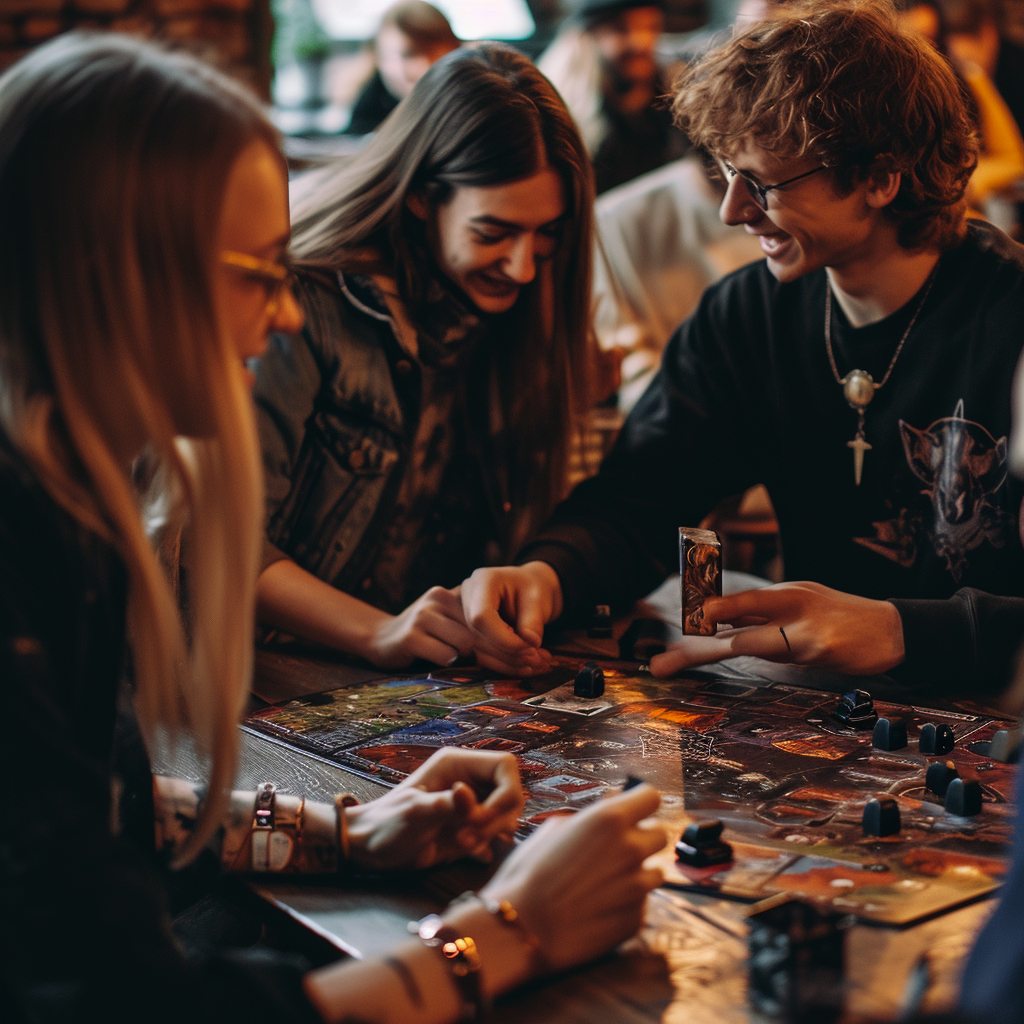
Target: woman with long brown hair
x=419, y=426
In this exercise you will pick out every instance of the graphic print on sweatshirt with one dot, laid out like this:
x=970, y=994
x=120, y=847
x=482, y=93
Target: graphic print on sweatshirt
x=961, y=465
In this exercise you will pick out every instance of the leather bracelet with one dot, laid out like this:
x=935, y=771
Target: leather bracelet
x=341, y=801
x=463, y=961
x=271, y=849
x=263, y=813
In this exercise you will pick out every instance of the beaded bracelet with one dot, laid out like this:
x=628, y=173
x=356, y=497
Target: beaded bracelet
x=508, y=915
x=463, y=959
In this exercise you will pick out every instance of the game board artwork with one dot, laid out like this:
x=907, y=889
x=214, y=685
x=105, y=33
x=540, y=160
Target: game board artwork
x=768, y=759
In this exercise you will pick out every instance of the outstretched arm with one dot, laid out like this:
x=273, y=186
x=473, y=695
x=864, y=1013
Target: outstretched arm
x=431, y=628
x=795, y=623
x=563, y=917
x=453, y=806
x=966, y=643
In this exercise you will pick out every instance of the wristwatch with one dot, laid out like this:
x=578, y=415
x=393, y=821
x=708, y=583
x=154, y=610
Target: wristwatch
x=271, y=848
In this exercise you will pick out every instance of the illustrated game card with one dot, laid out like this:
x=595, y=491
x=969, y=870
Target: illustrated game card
x=700, y=577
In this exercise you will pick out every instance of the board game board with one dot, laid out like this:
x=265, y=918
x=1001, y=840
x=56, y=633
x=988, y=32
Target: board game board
x=765, y=757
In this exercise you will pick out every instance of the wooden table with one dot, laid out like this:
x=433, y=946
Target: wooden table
x=686, y=965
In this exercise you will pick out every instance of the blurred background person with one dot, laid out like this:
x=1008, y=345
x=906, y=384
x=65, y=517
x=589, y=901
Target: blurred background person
x=604, y=63
x=1001, y=162
x=974, y=30
x=412, y=36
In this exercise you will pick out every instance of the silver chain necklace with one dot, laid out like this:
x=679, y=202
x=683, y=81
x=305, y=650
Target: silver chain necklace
x=859, y=386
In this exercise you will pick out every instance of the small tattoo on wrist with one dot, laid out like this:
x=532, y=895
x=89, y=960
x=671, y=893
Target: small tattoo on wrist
x=412, y=990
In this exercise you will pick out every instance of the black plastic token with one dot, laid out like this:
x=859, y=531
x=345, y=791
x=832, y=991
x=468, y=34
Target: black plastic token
x=963, y=797
x=881, y=817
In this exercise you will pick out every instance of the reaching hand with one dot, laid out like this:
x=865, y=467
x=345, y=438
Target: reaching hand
x=507, y=609
x=796, y=623
x=579, y=882
x=432, y=628
x=452, y=806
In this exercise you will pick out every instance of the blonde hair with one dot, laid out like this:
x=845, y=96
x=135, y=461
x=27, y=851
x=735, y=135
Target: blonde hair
x=114, y=158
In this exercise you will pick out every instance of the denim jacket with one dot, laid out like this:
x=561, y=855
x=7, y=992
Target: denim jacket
x=338, y=407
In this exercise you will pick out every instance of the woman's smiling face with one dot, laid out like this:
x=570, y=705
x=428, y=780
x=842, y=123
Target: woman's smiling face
x=489, y=240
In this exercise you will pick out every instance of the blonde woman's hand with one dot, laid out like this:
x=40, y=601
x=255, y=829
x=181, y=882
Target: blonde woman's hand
x=452, y=806
x=579, y=914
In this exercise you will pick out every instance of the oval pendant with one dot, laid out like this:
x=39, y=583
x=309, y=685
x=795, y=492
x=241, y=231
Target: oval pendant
x=859, y=388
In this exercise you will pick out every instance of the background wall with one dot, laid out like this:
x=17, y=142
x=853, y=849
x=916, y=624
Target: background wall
x=235, y=34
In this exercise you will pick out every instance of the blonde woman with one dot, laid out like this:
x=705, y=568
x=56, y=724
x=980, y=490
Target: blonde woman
x=143, y=236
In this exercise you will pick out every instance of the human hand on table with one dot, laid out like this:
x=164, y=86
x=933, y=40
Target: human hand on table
x=452, y=806
x=506, y=609
x=823, y=627
x=580, y=914
x=431, y=628
x=575, y=916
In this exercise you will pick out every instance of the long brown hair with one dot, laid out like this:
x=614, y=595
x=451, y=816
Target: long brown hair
x=478, y=117
x=114, y=158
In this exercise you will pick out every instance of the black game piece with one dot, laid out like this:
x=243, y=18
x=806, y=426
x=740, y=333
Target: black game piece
x=936, y=739
x=632, y=781
x=796, y=962
x=963, y=797
x=890, y=734
x=589, y=681
x=1005, y=746
x=940, y=774
x=701, y=845
x=600, y=627
x=856, y=710
x=881, y=817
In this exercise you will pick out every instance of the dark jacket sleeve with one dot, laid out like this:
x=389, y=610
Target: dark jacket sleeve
x=86, y=932
x=683, y=448
x=967, y=643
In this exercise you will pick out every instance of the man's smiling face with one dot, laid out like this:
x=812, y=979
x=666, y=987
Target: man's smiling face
x=809, y=224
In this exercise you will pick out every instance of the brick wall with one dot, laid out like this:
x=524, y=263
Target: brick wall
x=234, y=34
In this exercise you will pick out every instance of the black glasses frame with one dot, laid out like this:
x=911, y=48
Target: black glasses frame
x=759, y=192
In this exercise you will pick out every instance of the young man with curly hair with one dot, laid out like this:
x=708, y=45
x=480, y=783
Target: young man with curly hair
x=861, y=371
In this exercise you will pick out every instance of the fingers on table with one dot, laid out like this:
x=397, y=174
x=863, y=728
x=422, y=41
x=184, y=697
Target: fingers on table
x=433, y=650
x=530, y=661
x=762, y=641
x=530, y=621
x=446, y=631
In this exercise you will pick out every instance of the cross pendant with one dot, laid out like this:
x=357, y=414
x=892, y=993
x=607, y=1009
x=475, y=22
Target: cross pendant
x=859, y=446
